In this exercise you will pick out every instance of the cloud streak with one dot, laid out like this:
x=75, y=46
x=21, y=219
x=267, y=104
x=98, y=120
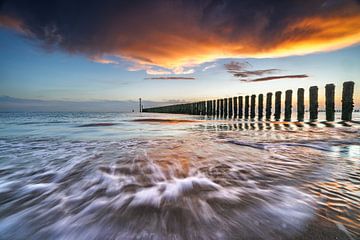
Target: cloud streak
x=240, y=70
x=175, y=34
x=264, y=79
x=170, y=78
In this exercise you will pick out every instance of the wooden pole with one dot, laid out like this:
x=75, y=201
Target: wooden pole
x=140, y=106
x=217, y=107
x=277, y=114
x=225, y=108
x=240, y=106
x=268, y=106
x=252, y=106
x=203, y=107
x=230, y=108
x=214, y=108
x=246, y=107
x=208, y=108
x=235, y=102
x=347, y=101
x=314, y=104
x=330, y=102
x=221, y=108
x=260, y=106
x=300, y=105
x=288, y=105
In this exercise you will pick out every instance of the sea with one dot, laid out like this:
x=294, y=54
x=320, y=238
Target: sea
x=170, y=176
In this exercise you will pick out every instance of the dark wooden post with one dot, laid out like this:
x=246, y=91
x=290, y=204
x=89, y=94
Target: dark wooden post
x=288, y=105
x=210, y=108
x=330, y=102
x=203, y=108
x=221, y=108
x=240, y=106
x=225, y=108
x=260, y=106
x=252, y=106
x=207, y=107
x=268, y=106
x=347, y=101
x=230, y=108
x=300, y=105
x=314, y=104
x=277, y=114
x=217, y=107
x=246, y=107
x=214, y=108
x=235, y=102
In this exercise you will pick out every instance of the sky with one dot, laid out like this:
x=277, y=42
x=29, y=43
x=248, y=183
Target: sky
x=71, y=54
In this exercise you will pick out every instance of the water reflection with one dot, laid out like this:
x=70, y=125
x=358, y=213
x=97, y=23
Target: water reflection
x=198, y=180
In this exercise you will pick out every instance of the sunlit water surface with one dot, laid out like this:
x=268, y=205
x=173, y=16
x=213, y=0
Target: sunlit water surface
x=157, y=176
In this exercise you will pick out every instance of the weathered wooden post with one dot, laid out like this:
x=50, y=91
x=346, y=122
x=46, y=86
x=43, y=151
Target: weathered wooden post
x=246, y=107
x=203, y=108
x=221, y=108
x=217, y=107
x=240, y=106
x=230, y=108
x=252, y=106
x=347, y=101
x=225, y=108
x=206, y=107
x=268, y=106
x=288, y=105
x=210, y=108
x=300, y=105
x=314, y=104
x=260, y=106
x=330, y=102
x=235, y=102
x=214, y=108
x=277, y=114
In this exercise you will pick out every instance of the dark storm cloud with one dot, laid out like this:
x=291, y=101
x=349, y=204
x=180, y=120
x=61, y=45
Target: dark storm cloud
x=182, y=33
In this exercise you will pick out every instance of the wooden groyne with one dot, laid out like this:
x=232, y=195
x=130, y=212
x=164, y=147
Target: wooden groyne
x=245, y=106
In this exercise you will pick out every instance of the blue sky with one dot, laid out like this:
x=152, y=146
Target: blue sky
x=29, y=71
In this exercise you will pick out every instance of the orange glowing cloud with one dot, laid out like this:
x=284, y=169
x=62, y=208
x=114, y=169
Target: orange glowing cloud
x=171, y=37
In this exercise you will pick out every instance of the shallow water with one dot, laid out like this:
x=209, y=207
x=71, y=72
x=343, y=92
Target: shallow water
x=158, y=176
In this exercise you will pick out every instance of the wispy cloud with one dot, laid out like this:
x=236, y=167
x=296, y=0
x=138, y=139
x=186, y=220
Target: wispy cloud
x=209, y=67
x=99, y=59
x=264, y=79
x=170, y=78
x=240, y=71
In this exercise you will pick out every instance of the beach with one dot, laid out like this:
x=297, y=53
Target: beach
x=166, y=176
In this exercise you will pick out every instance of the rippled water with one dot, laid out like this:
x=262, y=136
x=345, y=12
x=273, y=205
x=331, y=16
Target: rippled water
x=153, y=176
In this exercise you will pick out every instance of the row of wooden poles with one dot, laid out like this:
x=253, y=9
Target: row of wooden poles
x=245, y=107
